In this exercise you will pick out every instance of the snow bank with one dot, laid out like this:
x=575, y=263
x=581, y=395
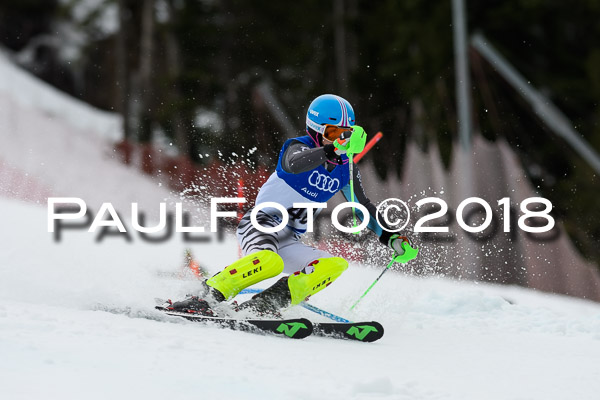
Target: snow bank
x=52, y=145
x=27, y=91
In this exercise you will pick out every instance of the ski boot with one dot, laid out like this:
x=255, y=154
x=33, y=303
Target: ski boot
x=227, y=283
x=245, y=272
x=296, y=288
x=315, y=277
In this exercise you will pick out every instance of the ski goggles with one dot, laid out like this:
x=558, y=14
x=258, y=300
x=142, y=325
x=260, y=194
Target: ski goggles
x=333, y=132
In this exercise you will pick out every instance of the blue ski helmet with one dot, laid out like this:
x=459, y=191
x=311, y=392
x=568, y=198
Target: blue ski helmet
x=328, y=109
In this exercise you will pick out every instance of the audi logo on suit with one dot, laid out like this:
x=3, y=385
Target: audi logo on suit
x=324, y=182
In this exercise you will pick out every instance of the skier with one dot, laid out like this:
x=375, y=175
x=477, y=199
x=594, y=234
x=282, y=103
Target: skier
x=311, y=169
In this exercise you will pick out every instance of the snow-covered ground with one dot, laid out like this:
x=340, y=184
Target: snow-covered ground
x=443, y=339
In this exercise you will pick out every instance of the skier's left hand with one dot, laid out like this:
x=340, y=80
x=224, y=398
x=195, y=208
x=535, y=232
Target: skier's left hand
x=342, y=143
x=395, y=243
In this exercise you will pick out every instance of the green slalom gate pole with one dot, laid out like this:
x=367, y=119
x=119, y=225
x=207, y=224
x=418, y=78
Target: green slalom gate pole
x=409, y=254
x=351, y=166
x=356, y=146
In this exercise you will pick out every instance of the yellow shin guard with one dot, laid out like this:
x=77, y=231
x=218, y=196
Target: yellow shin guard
x=327, y=270
x=246, y=271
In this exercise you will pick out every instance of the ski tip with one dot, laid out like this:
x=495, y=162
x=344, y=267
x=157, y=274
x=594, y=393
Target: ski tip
x=368, y=331
x=379, y=333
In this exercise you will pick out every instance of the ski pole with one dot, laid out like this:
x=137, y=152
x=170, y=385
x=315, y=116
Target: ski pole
x=351, y=166
x=324, y=313
x=355, y=146
x=409, y=254
x=372, y=284
x=352, y=160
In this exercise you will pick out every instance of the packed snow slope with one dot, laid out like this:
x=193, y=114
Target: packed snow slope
x=76, y=322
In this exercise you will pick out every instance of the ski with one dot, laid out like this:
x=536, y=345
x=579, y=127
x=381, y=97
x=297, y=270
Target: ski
x=297, y=328
x=361, y=331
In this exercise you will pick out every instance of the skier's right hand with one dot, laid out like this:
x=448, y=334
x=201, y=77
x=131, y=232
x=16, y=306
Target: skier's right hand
x=342, y=143
x=395, y=243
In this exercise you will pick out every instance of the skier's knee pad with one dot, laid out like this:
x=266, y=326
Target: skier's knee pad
x=246, y=271
x=326, y=270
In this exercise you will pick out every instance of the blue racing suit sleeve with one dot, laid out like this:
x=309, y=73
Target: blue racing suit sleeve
x=361, y=197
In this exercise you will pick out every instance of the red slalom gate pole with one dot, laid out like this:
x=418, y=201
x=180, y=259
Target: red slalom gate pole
x=368, y=146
